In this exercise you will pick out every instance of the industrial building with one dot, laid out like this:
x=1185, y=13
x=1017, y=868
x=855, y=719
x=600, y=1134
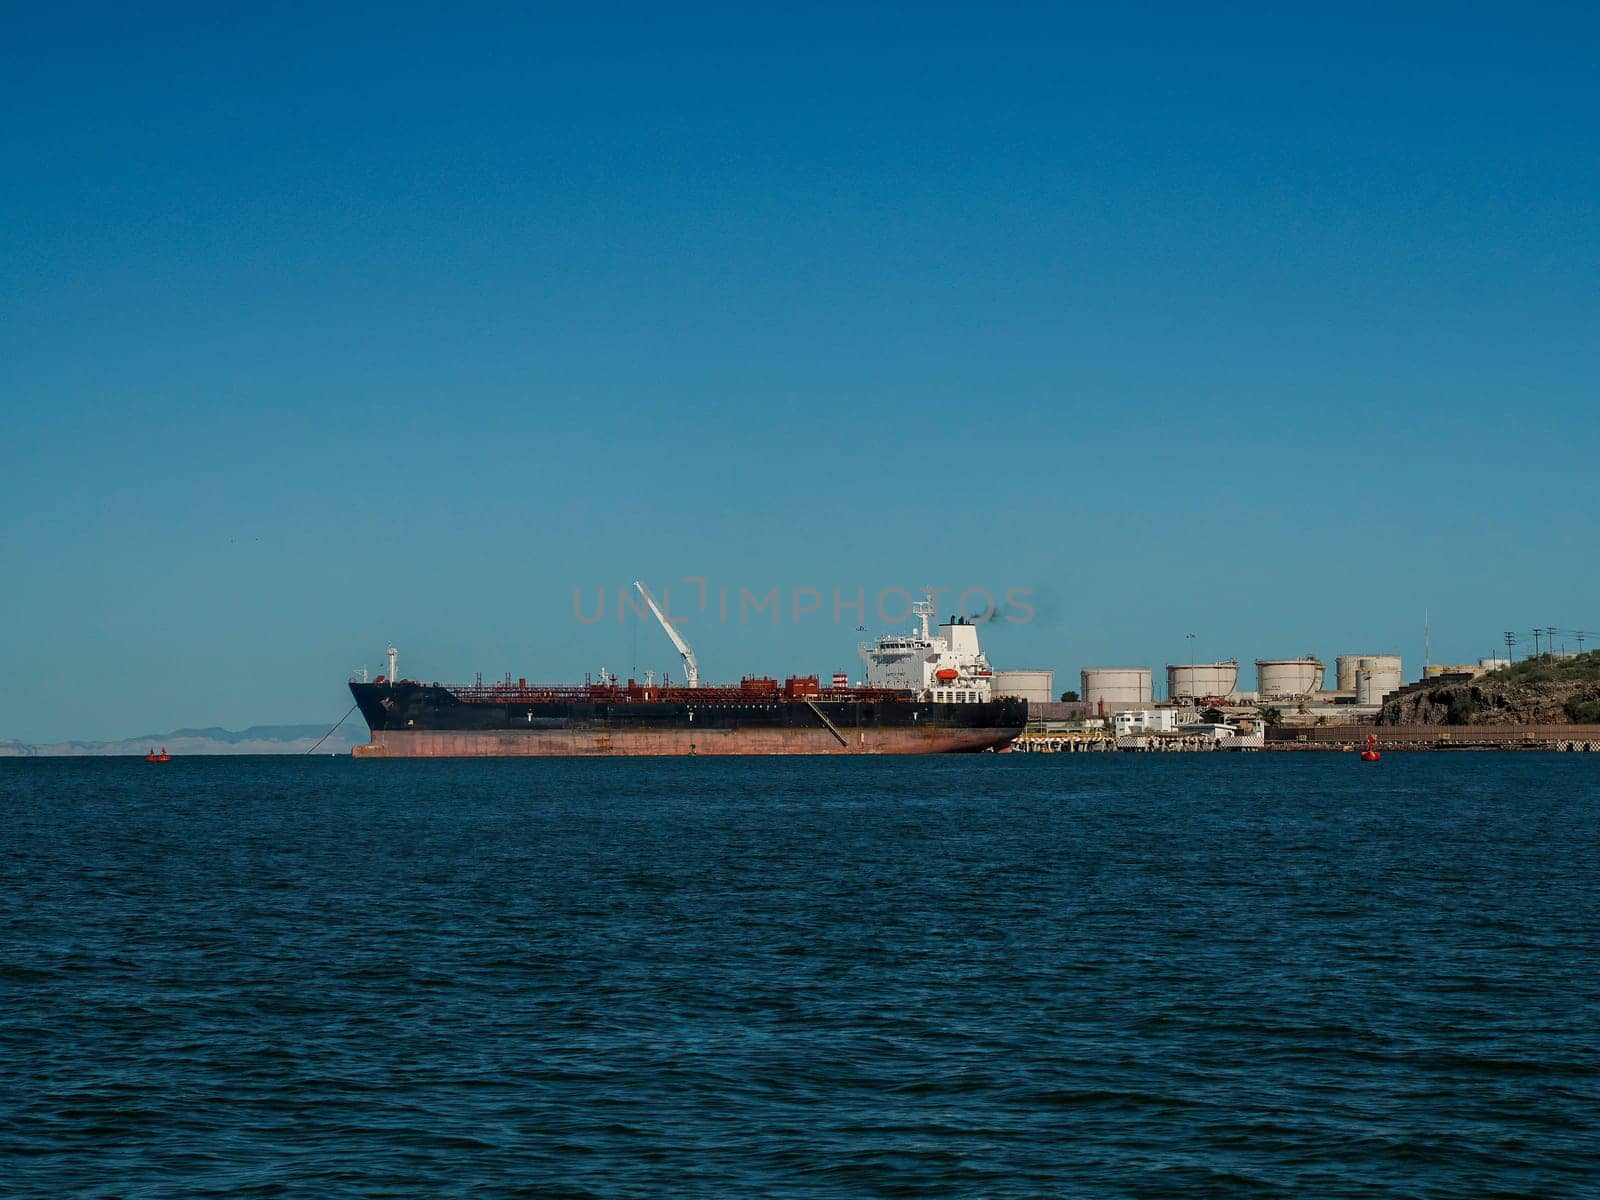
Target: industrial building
x=1296, y=692
x=1146, y=720
x=1295, y=687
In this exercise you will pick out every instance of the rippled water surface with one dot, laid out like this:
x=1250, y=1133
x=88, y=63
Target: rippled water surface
x=999, y=976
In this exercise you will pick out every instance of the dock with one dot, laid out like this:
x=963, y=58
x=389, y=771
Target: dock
x=1436, y=737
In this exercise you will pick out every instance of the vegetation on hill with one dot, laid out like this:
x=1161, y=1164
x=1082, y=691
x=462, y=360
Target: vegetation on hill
x=1537, y=691
x=1581, y=668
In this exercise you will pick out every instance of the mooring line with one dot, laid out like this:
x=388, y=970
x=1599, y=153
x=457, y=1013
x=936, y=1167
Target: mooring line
x=329, y=734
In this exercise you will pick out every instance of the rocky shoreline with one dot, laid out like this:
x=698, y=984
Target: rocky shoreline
x=1544, y=692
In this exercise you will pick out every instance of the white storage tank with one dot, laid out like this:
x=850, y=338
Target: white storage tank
x=1036, y=687
x=1344, y=670
x=1194, y=681
x=1376, y=678
x=1116, y=685
x=1485, y=665
x=1289, y=676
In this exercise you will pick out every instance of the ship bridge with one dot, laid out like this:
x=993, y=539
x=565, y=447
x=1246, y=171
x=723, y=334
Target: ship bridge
x=947, y=667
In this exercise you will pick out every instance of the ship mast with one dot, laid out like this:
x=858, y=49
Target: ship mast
x=690, y=666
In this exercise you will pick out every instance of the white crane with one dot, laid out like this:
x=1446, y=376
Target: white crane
x=690, y=666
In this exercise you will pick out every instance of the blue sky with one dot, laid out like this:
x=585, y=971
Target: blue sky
x=323, y=330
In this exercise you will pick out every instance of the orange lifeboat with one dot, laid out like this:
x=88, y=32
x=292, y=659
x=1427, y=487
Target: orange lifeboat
x=946, y=674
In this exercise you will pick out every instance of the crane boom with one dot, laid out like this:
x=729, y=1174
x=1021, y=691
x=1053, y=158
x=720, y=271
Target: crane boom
x=690, y=666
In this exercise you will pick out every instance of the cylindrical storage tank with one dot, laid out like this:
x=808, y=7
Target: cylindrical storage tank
x=1344, y=670
x=1036, y=687
x=1381, y=662
x=1376, y=678
x=1195, y=681
x=1434, y=670
x=1116, y=685
x=1289, y=676
x=1493, y=664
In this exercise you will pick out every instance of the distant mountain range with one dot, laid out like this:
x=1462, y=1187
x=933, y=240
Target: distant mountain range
x=258, y=739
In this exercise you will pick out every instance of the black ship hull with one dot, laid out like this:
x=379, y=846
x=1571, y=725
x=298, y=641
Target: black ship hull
x=427, y=720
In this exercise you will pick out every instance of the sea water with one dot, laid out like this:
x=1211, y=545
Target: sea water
x=1002, y=976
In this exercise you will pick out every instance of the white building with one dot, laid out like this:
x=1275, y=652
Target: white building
x=1146, y=720
x=1207, y=730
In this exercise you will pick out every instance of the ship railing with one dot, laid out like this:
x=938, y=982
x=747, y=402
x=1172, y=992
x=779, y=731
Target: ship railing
x=640, y=693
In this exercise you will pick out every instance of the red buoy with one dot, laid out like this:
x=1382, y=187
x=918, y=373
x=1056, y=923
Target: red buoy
x=1370, y=754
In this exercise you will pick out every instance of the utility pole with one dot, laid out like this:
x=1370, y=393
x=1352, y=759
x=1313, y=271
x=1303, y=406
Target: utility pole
x=1511, y=640
x=1550, y=640
x=1536, y=635
x=1190, y=636
x=1580, y=635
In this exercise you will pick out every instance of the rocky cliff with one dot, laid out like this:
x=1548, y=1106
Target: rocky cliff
x=1535, y=692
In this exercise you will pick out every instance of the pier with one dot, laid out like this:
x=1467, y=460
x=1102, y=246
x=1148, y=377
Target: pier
x=1437, y=737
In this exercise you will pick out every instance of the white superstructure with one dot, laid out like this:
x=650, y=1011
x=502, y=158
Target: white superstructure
x=946, y=667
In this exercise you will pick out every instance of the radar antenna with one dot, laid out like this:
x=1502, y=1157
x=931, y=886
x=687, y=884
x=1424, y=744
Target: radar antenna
x=690, y=665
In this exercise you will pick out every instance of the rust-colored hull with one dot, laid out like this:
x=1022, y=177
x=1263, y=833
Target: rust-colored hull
x=575, y=743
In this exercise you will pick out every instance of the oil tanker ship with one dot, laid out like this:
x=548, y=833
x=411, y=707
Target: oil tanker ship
x=924, y=693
